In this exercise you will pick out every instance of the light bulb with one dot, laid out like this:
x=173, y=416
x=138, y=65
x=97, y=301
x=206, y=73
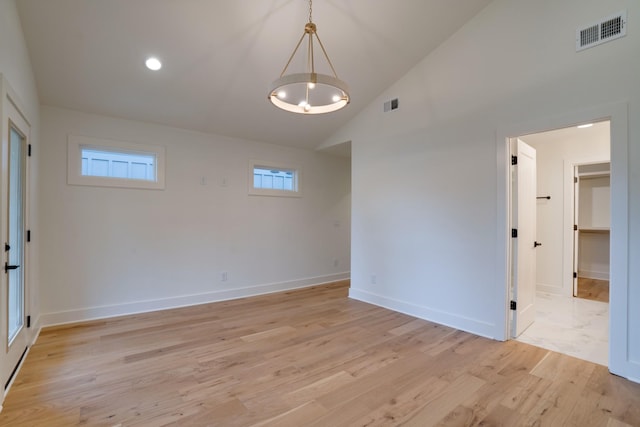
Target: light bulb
x=282, y=94
x=336, y=98
x=311, y=85
x=302, y=104
x=153, y=64
x=307, y=107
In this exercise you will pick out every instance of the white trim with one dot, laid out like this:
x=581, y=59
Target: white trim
x=550, y=289
x=74, y=163
x=101, y=312
x=467, y=324
x=503, y=221
x=619, y=360
x=590, y=274
x=297, y=192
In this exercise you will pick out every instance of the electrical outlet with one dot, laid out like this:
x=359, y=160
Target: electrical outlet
x=224, y=276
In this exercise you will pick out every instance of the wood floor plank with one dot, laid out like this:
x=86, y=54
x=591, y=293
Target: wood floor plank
x=593, y=289
x=295, y=417
x=437, y=409
x=309, y=357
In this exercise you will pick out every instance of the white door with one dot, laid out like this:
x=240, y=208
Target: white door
x=14, y=148
x=524, y=245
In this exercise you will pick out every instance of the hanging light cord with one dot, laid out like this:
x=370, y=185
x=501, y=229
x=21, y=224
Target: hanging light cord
x=310, y=29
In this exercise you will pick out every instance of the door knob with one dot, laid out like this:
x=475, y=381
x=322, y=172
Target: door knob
x=8, y=267
x=536, y=244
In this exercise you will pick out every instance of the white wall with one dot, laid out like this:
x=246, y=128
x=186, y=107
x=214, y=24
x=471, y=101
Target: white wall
x=594, y=212
x=595, y=194
x=14, y=59
x=593, y=262
x=15, y=66
x=428, y=178
x=111, y=251
x=556, y=152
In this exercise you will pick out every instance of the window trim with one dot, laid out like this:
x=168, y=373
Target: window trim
x=75, y=144
x=297, y=183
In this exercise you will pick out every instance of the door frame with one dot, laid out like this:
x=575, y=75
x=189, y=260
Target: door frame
x=617, y=113
x=9, y=96
x=516, y=245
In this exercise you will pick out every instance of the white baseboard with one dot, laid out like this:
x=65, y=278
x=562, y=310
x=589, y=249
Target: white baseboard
x=588, y=274
x=555, y=290
x=102, y=312
x=466, y=324
x=37, y=328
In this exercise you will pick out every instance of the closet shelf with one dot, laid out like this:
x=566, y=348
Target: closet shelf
x=593, y=175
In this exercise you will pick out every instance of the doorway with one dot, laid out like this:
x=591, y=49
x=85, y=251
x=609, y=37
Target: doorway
x=563, y=322
x=592, y=219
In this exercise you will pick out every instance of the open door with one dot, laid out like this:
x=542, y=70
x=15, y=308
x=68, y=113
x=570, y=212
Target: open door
x=524, y=237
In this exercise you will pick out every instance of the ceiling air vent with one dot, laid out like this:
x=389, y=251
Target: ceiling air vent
x=608, y=29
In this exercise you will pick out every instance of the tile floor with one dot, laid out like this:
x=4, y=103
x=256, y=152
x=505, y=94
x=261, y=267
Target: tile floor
x=573, y=326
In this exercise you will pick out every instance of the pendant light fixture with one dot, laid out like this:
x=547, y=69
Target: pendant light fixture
x=309, y=92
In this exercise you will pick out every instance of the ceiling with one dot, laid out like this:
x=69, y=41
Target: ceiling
x=600, y=131
x=219, y=57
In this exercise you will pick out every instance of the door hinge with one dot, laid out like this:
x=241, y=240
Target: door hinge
x=514, y=232
x=575, y=275
x=28, y=321
x=29, y=150
x=513, y=305
x=514, y=160
x=575, y=227
x=28, y=235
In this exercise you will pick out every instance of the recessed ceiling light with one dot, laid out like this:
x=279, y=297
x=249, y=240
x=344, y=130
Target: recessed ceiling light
x=153, y=64
x=586, y=125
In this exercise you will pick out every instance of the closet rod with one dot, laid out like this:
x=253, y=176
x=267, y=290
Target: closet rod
x=544, y=197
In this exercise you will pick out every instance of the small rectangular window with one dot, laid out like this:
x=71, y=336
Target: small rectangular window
x=118, y=164
x=107, y=163
x=272, y=180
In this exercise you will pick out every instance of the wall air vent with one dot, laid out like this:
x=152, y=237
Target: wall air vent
x=391, y=105
x=608, y=29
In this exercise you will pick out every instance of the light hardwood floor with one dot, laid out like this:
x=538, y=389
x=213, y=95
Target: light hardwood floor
x=310, y=357
x=593, y=289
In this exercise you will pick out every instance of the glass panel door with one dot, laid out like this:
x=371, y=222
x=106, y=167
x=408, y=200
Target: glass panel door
x=14, y=280
x=15, y=234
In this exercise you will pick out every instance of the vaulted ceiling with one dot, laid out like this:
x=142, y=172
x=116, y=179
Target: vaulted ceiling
x=219, y=57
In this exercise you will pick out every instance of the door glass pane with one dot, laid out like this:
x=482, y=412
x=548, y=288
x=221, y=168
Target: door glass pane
x=15, y=235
